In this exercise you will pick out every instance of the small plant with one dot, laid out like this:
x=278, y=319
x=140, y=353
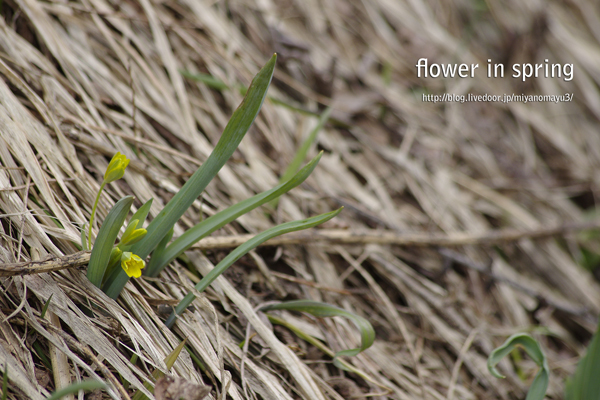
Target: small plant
x=583, y=385
x=532, y=348
x=137, y=243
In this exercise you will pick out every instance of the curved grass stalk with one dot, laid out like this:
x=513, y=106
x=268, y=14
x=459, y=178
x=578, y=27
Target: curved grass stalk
x=242, y=250
x=76, y=387
x=538, y=387
x=346, y=366
x=322, y=310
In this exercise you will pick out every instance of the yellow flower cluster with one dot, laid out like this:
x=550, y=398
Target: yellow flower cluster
x=132, y=264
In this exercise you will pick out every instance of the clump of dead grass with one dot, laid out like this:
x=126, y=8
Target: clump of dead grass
x=83, y=80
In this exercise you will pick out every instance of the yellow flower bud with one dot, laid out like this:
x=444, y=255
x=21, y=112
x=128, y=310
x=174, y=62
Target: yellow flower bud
x=116, y=168
x=132, y=235
x=132, y=264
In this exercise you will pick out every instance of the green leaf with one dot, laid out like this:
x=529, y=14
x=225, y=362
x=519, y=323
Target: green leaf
x=537, y=391
x=76, y=387
x=115, y=282
x=106, y=239
x=218, y=84
x=322, y=310
x=584, y=384
x=46, y=304
x=142, y=213
x=214, y=222
x=236, y=128
x=303, y=150
x=207, y=79
x=159, y=254
x=5, y=382
x=243, y=249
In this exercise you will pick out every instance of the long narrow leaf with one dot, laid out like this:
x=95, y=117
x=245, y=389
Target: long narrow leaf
x=45, y=308
x=243, y=249
x=584, y=384
x=76, y=387
x=159, y=254
x=305, y=147
x=214, y=222
x=142, y=213
x=207, y=79
x=303, y=150
x=236, y=128
x=5, y=382
x=218, y=84
x=537, y=391
x=322, y=310
x=106, y=239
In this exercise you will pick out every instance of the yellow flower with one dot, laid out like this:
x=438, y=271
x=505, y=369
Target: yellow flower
x=116, y=168
x=132, y=264
x=132, y=235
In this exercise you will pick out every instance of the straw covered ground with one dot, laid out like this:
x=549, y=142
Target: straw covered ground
x=463, y=222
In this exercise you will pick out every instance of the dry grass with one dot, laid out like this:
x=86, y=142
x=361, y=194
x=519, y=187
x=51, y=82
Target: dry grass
x=82, y=80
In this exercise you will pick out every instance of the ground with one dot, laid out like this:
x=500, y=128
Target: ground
x=465, y=220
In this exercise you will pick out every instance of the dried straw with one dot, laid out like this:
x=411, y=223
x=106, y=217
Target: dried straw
x=506, y=185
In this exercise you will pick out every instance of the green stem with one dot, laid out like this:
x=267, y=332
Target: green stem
x=93, y=213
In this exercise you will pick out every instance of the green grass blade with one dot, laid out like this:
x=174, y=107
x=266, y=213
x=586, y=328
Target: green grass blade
x=236, y=128
x=303, y=150
x=46, y=304
x=207, y=79
x=115, y=283
x=218, y=84
x=322, y=310
x=156, y=264
x=584, y=384
x=106, y=239
x=317, y=343
x=214, y=222
x=39, y=351
x=76, y=387
x=142, y=213
x=245, y=248
x=537, y=391
x=5, y=382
